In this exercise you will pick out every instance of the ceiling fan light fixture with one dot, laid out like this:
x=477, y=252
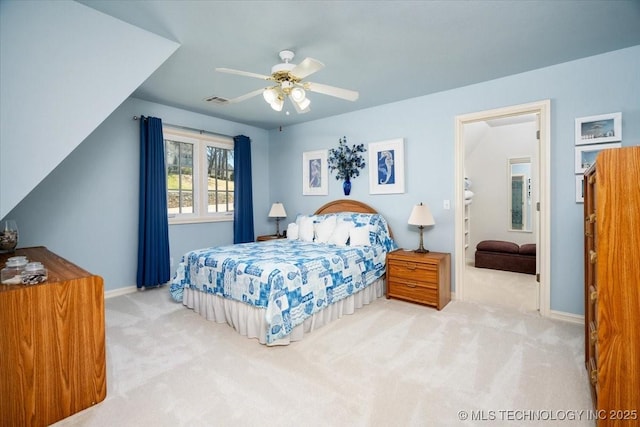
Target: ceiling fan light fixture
x=298, y=94
x=277, y=103
x=270, y=95
x=304, y=104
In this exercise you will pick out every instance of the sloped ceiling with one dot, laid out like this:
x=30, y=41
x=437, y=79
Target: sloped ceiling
x=65, y=67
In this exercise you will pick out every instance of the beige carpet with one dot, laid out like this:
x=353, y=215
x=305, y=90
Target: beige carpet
x=503, y=288
x=390, y=364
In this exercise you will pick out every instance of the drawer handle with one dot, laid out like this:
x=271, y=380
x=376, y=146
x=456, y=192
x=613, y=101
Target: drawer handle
x=586, y=228
x=593, y=337
x=593, y=256
x=592, y=179
x=592, y=218
x=593, y=294
x=594, y=377
x=411, y=266
x=410, y=285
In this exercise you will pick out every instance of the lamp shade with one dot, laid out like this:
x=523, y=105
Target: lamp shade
x=277, y=211
x=298, y=94
x=421, y=216
x=270, y=95
x=278, y=103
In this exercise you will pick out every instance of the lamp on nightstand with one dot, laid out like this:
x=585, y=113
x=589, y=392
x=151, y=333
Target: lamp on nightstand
x=421, y=216
x=277, y=211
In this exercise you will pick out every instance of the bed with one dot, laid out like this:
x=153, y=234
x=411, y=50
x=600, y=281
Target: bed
x=331, y=264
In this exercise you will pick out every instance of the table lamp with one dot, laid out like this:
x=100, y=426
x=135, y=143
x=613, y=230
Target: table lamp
x=277, y=211
x=421, y=216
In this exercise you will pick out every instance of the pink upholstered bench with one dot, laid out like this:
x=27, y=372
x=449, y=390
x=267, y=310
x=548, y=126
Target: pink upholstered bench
x=507, y=256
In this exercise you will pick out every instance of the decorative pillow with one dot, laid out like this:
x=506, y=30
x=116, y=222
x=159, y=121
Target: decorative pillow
x=292, y=231
x=305, y=228
x=359, y=236
x=324, y=229
x=340, y=234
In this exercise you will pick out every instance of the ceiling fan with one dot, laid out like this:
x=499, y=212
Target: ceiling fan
x=288, y=78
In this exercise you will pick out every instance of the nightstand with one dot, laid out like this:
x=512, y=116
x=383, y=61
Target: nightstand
x=269, y=237
x=421, y=278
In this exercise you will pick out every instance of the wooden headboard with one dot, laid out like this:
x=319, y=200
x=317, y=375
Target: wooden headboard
x=346, y=205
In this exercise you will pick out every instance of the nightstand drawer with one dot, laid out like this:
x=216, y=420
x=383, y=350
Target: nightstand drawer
x=412, y=291
x=423, y=278
x=414, y=271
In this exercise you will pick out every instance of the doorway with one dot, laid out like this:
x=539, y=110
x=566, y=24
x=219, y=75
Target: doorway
x=540, y=212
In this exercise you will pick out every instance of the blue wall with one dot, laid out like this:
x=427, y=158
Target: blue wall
x=86, y=209
x=596, y=85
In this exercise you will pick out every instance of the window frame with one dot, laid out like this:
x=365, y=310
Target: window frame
x=200, y=140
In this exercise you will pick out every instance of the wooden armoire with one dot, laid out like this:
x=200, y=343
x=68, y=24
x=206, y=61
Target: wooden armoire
x=612, y=284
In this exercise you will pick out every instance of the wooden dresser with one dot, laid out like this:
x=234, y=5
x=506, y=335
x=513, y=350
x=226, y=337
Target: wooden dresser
x=612, y=284
x=422, y=278
x=52, y=343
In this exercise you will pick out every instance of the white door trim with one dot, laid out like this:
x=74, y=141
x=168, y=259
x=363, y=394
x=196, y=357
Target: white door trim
x=543, y=109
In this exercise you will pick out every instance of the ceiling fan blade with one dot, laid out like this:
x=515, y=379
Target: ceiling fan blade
x=243, y=73
x=246, y=96
x=307, y=67
x=349, y=95
x=223, y=101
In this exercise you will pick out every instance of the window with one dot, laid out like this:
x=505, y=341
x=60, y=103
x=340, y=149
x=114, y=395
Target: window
x=199, y=176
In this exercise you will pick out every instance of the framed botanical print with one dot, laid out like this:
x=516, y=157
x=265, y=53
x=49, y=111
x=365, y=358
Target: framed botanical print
x=315, y=173
x=386, y=167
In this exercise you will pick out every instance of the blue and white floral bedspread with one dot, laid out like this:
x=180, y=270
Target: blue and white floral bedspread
x=291, y=279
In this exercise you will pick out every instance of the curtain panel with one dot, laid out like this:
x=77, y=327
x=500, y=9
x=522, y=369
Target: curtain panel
x=243, y=201
x=154, y=267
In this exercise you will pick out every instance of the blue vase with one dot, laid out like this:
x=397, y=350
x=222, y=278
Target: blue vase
x=346, y=186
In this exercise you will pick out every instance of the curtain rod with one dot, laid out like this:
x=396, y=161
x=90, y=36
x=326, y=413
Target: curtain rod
x=187, y=128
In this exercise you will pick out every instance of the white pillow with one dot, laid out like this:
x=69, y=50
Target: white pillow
x=341, y=233
x=292, y=231
x=305, y=228
x=324, y=229
x=359, y=236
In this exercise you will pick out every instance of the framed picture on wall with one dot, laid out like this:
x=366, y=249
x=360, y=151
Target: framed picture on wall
x=579, y=188
x=586, y=155
x=386, y=167
x=599, y=129
x=315, y=173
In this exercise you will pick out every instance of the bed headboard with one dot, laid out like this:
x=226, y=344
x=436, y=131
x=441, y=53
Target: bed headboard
x=346, y=205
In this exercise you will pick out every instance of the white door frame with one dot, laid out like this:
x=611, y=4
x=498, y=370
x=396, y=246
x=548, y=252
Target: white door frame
x=543, y=109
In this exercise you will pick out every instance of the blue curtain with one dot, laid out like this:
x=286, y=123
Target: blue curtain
x=154, y=266
x=243, y=202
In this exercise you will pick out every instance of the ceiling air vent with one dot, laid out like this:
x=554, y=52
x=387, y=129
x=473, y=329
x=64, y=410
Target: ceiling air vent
x=217, y=100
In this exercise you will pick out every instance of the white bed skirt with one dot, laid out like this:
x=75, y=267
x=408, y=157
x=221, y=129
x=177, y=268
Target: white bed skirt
x=250, y=321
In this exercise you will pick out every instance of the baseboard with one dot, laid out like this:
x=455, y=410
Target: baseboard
x=120, y=291
x=567, y=317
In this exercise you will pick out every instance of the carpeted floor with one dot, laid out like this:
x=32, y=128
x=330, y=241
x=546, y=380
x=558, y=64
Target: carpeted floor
x=503, y=288
x=390, y=364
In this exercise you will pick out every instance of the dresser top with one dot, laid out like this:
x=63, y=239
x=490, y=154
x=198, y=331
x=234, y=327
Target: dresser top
x=58, y=268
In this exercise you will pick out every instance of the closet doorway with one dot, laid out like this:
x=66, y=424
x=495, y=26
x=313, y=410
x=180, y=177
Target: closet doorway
x=532, y=222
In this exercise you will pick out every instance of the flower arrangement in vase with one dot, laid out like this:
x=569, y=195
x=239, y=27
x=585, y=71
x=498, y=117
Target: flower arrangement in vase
x=346, y=161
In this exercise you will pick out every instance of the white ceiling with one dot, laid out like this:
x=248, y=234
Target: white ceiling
x=386, y=50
